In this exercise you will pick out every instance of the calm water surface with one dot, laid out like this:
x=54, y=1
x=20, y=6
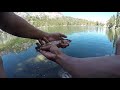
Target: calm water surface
x=86, y=42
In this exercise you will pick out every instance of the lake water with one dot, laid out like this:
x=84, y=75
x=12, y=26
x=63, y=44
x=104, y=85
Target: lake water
x=86, y=42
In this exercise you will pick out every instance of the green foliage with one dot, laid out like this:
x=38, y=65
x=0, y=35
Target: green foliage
x=117, y=20
x=114, y=21
x=113, y=35
x=59, y=21
x=111, y=22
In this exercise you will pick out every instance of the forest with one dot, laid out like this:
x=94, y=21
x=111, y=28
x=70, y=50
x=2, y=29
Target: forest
x=60, y=21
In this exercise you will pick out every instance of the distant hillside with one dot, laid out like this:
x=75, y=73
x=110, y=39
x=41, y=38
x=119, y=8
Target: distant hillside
x=54, y=19
x=40, y=14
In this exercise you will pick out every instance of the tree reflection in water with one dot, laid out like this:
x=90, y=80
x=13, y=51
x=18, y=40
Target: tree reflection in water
x=113, y=35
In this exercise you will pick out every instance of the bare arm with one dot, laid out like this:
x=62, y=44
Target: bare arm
x=2, y=72
x=17, y=26
x=95, y=67
x=106, y=66
x=117, y=52
x=92, y=67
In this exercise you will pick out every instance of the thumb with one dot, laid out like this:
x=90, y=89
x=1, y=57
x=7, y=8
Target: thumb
x=48, y=55
x=62, y=35
x=46, y=40
x=47, y=47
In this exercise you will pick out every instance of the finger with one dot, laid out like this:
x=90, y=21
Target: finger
x=64, y=45
x=41, y=42
x=37, y=49
x=46, y=54
x=62, y=35
x=38, y=44
x=62, y=41
x=59, y=44
x=61, y=38
x=46, y=40
x=68, y=40
x=43, y=52
x=47, y=47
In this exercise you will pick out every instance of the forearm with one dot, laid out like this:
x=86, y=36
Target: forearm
x=2, y=72
x=69, y=64
x=15, y=25
x=117, y=52
x=100, y=67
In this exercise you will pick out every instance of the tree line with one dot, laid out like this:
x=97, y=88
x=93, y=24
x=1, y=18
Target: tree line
x=114, y=21
x=60, y=21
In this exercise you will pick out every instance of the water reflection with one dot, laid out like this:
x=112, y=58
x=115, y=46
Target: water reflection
x=29, y=64
x=113, y=35
x=37, y=67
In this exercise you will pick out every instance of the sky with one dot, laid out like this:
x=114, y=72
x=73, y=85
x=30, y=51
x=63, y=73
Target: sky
x=94, y=16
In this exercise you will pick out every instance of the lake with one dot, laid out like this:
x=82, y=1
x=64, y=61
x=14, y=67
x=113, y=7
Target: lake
x=23, y=61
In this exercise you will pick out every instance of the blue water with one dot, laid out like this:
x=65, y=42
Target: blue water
x=89, y=43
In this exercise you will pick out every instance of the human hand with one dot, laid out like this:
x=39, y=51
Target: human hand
x=63, y=43
x=60, y=43
x=50, y=51
x=2, y=71
x=48, y=37
x=117, y=52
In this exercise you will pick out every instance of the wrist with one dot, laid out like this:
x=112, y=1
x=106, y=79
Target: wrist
x=1, y=65
x=1, y=62
x=61, y=57
x=2, y=72
x=41, y=34
x=1, y=68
